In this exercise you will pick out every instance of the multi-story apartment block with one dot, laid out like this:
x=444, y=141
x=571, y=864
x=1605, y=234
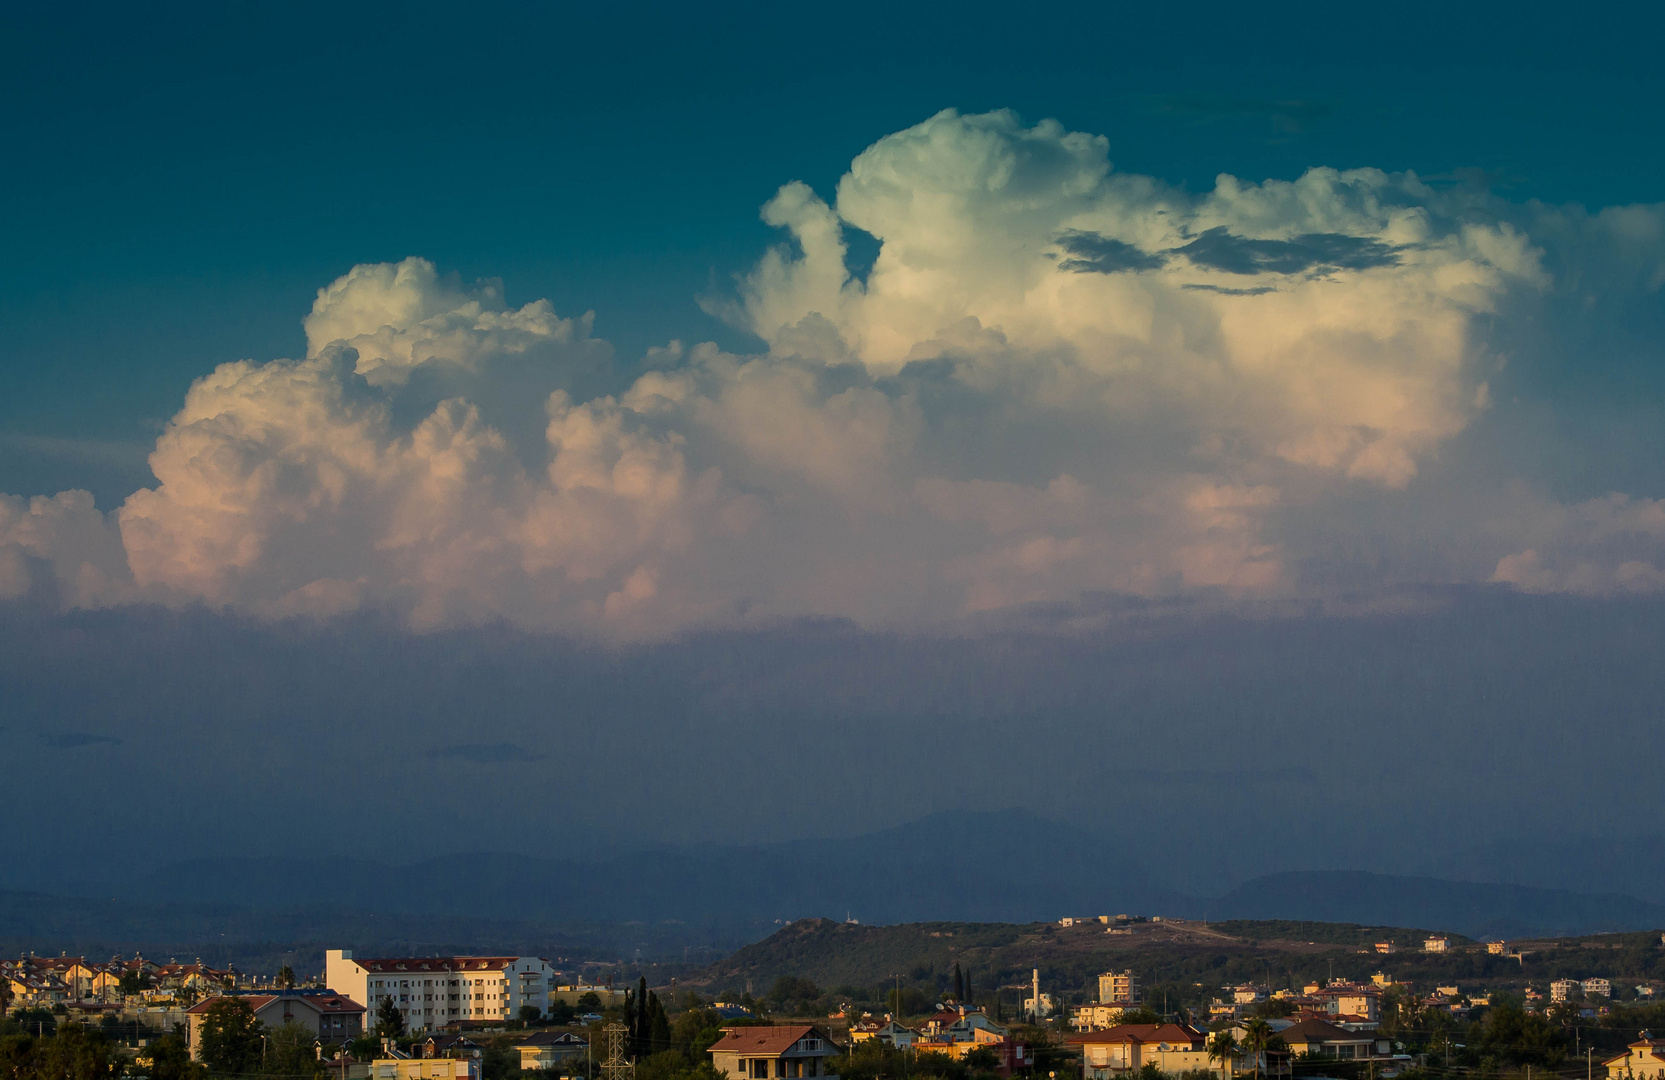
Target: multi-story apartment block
x=1436, y=944
x=1598, y=986
x=1562, y=989
x=1118, y=988
x=432, y=991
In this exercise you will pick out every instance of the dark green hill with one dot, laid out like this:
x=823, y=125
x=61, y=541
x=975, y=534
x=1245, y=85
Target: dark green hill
x=1187, y=960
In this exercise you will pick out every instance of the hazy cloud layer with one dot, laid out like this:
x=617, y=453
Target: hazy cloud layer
x=1055, y=380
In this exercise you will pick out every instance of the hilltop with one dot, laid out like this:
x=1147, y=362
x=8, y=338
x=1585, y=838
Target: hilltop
x=1189, y=958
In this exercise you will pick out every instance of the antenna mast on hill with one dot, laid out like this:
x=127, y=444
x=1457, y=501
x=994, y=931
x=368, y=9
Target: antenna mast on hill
x=616, y=1067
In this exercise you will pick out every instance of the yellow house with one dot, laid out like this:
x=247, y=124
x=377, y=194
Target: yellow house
x=1127, y=1048
x=1097, y=1017
x=1643, y=1058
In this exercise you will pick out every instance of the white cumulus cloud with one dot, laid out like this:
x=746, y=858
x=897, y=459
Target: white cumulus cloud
x=1056, y=379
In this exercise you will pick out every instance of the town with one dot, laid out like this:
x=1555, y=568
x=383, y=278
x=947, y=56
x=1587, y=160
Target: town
x=1477, y=1009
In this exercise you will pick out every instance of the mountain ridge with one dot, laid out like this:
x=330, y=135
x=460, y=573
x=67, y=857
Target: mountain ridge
x=990, y=867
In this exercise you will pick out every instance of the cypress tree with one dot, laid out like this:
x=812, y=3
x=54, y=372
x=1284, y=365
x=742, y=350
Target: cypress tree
x=959, y=984
x=643, y=1023
x=659, y=1031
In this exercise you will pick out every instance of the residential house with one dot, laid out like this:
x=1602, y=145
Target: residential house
x=1127, y=1048
x=1385, y=948
x=1497, y=948
x=435, y=1046
x=1345, y=999
x=1324, y=1039
x=1436, y=944
x=335, y=1018
x=1643, y=1059
x=957, y=1033
x=573, y=994
x=434, y=991
x=961, y=1025
x=29, y=990
x=886, y=1031
x=409, y=1068
x=1009, y=1056
x=1601, y=987
x=1098, y=1017
x=547, y=1049
x=1562, y=989
x=197, y=977
x=772, y=1053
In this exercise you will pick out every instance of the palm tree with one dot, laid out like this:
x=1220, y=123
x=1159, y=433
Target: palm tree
x=1222, y=1047
x=1257, y=1034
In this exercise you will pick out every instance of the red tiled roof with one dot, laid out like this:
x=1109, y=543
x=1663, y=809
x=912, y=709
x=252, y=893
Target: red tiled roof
x=394, y=964
x=765, y=1041
x=328, y=1004
x=1315, y=1030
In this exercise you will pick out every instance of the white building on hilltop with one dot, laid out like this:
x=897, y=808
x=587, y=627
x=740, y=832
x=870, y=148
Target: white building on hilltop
x=432, y=991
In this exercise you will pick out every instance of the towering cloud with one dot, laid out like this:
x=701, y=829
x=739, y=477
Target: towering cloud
x=1055, y=379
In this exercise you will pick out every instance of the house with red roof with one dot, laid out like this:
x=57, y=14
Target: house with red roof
x=1643, y=1059
x=774, y=1052
x=1127, y=1048
x=335, y=1018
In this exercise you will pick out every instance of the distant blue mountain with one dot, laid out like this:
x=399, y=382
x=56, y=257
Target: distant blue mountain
x=983, y=867
x=1474, y=909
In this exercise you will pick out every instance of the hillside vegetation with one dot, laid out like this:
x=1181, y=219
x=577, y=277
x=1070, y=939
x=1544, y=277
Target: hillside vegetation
x=1188, y=961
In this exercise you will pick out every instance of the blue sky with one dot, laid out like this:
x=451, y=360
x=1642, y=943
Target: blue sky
x=183, y=178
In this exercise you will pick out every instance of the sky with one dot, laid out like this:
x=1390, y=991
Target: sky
x=532, y=330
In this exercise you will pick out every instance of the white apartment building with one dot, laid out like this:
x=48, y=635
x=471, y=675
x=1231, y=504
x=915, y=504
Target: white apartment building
x=1436, y=944
x=1561, y=989
x=432, y=991
x=1603, y=987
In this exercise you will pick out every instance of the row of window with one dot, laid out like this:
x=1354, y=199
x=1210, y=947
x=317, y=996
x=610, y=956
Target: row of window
x=377, y=984
x=429, y=1011
x=376, y=998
